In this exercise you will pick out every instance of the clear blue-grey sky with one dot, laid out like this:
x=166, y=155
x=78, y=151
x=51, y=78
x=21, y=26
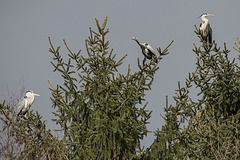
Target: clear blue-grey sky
x=26, y=25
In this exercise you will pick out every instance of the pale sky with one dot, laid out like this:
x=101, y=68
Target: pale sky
x=26, y=25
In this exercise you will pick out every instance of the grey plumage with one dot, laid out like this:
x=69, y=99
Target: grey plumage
x=147, y=50
x=205, y=28
x=25, y=103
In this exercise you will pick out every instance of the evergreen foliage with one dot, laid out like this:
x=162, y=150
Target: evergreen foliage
x=102, y=113
x=209, y=127
x=27, y=138
x=98, y=110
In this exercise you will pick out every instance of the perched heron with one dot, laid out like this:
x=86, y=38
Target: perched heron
x=147, y=50
x=206, y=30
x=25, y=103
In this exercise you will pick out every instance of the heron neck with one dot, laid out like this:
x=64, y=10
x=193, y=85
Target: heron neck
x=138, y=42
x=205, y=20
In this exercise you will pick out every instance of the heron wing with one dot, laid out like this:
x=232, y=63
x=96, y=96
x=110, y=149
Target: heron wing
x=209, y=33
x=150, y=49
x=21, y=105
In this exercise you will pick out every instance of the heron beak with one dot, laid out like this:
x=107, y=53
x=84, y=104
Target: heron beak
x=36, y=94
x=210, y=15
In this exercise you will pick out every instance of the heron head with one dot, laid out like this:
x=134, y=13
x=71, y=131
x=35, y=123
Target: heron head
x=134, y=38
x=204, y=15
x=30, y=93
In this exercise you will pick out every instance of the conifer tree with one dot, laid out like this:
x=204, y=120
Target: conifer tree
x=209, y=127
x=96, y=106
x=102, y=113
x=27, y=138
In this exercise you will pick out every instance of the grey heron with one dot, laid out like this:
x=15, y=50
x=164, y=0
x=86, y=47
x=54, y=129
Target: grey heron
x=25, y=103
x=147, y=50
x=206, y=30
